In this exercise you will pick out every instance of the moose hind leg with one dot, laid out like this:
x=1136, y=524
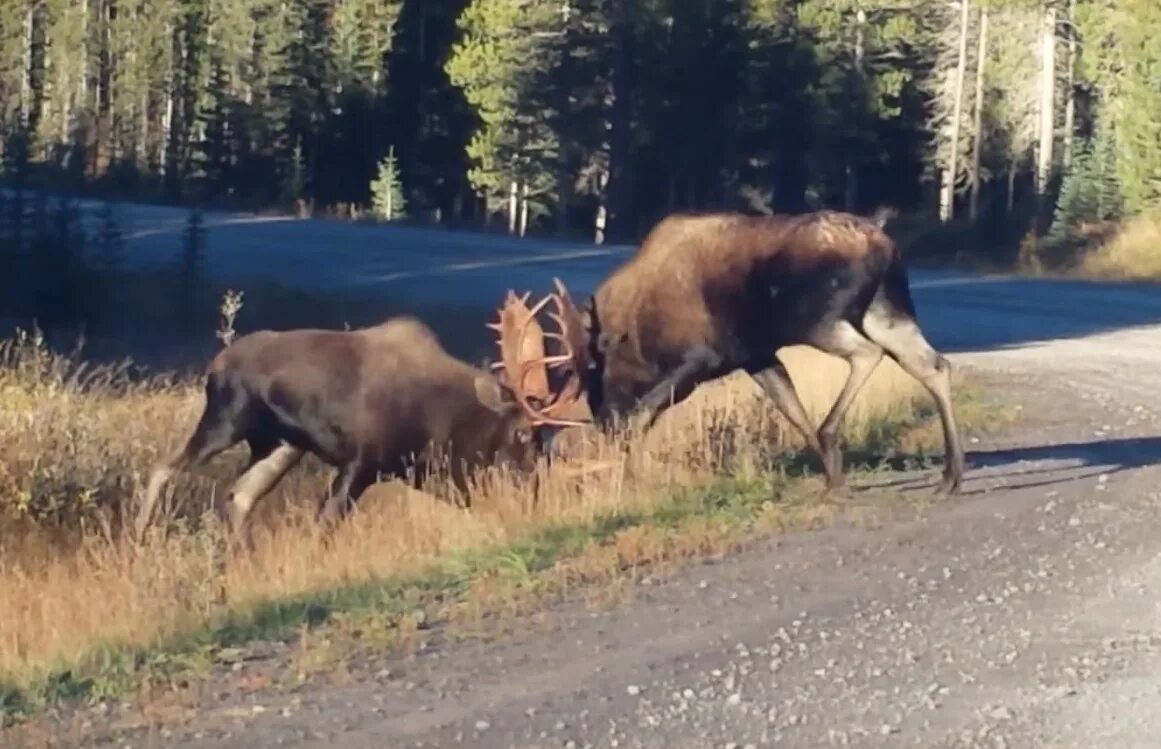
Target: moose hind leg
x=900, y=335
x=216, y=431
x=862, y=355
x=267, y=467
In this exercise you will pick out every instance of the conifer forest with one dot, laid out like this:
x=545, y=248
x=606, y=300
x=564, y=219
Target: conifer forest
x=589, y=118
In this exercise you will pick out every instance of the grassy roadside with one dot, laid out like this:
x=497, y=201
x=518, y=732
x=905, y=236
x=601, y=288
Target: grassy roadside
x=331, y=622
x=1123, y=250
x=471, y=584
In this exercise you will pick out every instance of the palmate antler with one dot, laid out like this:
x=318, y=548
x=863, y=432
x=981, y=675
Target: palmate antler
x=525, y=363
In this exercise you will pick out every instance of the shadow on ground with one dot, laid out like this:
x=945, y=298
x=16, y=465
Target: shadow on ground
x=1067, y=462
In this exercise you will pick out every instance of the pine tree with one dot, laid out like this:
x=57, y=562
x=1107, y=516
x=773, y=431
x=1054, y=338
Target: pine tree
x=503, y=45
x=387, y=197
x=14, y=169
x=1138, y=120
x=1090, y=191
x=294, y=181
x=190, y=269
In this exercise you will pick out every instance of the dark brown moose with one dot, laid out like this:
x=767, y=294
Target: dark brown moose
x=706, y=295
x=386, y=400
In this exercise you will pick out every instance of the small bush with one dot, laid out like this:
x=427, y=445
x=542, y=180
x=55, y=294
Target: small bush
x=1128, y=251
x=387, y=197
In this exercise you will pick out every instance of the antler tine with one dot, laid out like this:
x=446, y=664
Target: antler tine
x=516, y=322
x=572, y=354
x=539, y=306
x=515, y=325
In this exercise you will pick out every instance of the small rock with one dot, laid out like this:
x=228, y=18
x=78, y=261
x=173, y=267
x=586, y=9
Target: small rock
x=633, y=690
x=483, y=725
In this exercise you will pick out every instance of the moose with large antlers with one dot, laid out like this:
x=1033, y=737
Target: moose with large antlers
x=384, y=400
x=706, y=295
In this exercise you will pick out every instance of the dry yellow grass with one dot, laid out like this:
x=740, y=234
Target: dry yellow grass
x=77, y=447
x=1133, y=252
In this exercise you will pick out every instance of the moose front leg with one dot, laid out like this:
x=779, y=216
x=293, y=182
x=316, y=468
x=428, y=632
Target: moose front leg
x=698, y=365
x=267, y=467
x=775, y=382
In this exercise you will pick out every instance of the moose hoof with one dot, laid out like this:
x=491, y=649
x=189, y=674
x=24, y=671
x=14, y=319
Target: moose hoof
x=836, y=483
x=948, y=486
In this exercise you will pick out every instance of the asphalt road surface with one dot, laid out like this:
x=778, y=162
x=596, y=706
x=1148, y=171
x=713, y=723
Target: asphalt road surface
x=1025, y=613
x=960, y=312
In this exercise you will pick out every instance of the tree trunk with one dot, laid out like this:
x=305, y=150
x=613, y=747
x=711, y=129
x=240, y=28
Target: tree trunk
x=1069, y=93
x=513, y=199
x=947, y=198
x=143, y=132
x=523, y=207
x=1047, y=99
x=1011, y=188
x=167, y=144
x=602, y=212
x=978, y=135
x=83, y=90
x=621, y=117
x=563, y=108
x=26, y=72
x=851, y=191
x=110, y=119
x=564, y=196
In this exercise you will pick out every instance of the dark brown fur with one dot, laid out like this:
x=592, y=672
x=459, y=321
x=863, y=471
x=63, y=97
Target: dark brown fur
x=380, y=400
x=709, y=294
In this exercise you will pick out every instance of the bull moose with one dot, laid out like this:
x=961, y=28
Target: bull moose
x=382, y=400
x=706, y=295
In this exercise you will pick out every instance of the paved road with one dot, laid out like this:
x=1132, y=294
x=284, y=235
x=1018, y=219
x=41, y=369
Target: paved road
x=332, y=255
x=410, y=266
x=1025, y=613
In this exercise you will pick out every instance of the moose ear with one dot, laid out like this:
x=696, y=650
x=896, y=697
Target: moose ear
x=492, y=394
